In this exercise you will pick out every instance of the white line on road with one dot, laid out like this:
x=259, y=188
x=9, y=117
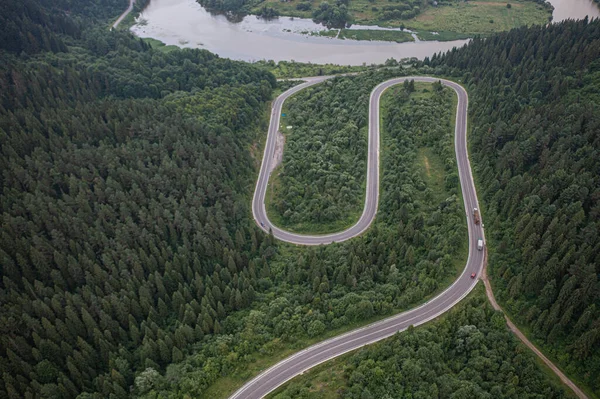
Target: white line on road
x=298, y=363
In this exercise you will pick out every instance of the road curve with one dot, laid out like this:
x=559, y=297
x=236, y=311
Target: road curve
x=372, y=188
x=326, y=350
x=122, y=17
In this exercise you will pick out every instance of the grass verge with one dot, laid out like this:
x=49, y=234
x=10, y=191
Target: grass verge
x=160, y=46
x=325, y=381
x=376, y=35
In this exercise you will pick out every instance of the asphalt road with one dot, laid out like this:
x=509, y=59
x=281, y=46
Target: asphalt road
x=319, y=353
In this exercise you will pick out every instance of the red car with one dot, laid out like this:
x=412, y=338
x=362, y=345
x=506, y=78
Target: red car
x=473, y=275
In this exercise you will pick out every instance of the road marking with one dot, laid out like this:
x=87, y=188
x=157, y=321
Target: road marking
x=392, y=325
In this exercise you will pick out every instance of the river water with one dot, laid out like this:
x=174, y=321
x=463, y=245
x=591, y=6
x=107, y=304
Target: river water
x=185, y=23
x=574, y=9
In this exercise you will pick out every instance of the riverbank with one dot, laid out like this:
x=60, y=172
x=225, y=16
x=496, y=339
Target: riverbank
x=302, y=40
x=281, y=39
x=457, y=19
x=124, y=15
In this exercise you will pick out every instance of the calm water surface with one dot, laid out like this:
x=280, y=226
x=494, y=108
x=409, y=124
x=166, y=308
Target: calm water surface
x=574, y=9
x=185, y=23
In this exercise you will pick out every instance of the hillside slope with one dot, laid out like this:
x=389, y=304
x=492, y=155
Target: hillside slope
x=536, y=152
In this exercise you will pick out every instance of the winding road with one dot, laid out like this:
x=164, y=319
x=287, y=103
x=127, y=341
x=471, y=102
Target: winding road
x=125, y=13
x=296, y=364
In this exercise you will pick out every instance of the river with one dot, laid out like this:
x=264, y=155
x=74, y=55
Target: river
x=574, y=9
x=185, y=23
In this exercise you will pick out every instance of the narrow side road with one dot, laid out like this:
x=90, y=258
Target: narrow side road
x=565, y=380
x=122, y=17
x=289, y=368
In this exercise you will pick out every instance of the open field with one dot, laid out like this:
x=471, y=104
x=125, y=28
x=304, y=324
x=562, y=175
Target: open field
x=382, y=35
x=158, y=45
x=480, y=17
x=447, y=21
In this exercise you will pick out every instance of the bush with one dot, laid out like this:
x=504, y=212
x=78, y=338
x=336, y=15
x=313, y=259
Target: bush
x=316, y=328
x=303, y=6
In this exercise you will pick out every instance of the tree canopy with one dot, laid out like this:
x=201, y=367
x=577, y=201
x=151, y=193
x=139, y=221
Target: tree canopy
x=536, y=150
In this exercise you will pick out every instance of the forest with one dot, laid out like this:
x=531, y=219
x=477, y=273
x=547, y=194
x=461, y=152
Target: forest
x=129, y=261
x=406, y=257
x=120, y=210
x=467, y=353
x=536, y=151
x=320, y=185
x=130, y=264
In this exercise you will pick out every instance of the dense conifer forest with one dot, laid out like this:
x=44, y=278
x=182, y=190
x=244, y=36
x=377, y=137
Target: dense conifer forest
x=130, y=265
x=129, y=259
x=121, y=169
x=535, y=144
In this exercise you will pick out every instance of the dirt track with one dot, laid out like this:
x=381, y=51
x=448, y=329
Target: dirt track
x=523, y=338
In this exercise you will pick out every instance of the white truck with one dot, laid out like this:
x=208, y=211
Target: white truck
x=480, y=244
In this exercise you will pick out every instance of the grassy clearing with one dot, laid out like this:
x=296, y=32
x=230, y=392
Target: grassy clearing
x=160, y=46
x=377, y=35
x=479, y=17
x=432, y=171
x=451, y=21
x=323, y=382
